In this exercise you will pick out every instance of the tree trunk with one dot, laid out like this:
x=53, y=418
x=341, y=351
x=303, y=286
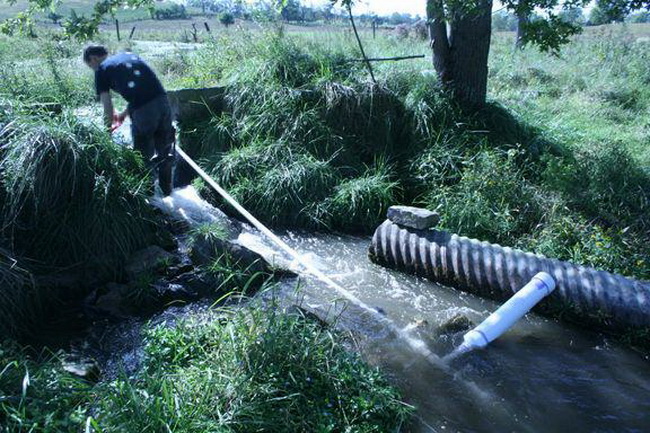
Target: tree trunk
x=523, y=16
x=460, y=54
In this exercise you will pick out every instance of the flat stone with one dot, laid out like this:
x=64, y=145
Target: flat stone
x=413, y=217
x=111, y=303
x=456, y=324
x=148, y=260
x=189, y=105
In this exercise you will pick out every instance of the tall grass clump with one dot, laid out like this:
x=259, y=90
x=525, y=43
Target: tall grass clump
x=359, y=202
x=276, y=180
x=246, y=371
x=71, y=197
x=300, y=131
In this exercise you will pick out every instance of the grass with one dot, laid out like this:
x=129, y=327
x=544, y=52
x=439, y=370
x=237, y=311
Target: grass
x=18, y=299
x=71, y=196
x=231, y=371
x=73, y=204
x=36, y=394
x=250, y=371
x=556, y=163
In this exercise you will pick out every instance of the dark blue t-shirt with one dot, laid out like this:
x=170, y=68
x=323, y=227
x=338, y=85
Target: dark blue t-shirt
x=131, y=77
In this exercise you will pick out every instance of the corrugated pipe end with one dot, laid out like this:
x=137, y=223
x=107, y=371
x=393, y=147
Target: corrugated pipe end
x=589, y=296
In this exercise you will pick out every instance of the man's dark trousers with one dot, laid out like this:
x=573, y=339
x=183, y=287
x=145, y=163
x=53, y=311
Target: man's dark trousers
x=154, y=135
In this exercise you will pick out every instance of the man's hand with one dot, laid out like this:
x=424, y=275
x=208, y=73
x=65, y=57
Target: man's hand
x=116, y=123
x=118, y=119
x=121, y=116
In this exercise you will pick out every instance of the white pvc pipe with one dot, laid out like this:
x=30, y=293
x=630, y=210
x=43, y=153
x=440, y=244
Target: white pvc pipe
x=514, y=309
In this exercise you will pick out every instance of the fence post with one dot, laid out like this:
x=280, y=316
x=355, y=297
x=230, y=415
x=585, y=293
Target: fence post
x=117, y=29
x=131, y=34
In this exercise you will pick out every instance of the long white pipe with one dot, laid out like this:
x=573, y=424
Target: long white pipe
x=514, y=309
x=417, y=345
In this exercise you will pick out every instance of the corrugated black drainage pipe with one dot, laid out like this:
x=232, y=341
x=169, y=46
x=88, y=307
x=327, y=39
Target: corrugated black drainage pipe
x=608, y=301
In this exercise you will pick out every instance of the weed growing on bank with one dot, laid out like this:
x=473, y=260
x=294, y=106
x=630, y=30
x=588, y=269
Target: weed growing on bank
x=72, y=196
x=250, y=370
x=232, y=371
x=37, y=395
x=73, y=202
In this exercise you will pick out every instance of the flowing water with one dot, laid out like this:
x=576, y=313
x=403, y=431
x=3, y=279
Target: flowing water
x=541, y=376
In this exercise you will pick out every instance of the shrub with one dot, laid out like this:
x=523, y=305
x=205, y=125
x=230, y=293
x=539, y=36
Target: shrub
x=492, y=201
x=226, y=18
x=573, y=238
x=604, y=182
x=173, y=12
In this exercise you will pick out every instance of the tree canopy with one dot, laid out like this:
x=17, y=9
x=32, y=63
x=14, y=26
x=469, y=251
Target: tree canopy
x=80, y=26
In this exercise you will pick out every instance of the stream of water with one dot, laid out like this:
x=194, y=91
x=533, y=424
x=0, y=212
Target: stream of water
x=541, y=376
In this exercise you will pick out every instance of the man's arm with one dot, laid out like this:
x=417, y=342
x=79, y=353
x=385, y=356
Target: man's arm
x=107, y=103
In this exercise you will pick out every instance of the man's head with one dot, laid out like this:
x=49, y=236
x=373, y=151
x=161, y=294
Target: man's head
x=94, y=55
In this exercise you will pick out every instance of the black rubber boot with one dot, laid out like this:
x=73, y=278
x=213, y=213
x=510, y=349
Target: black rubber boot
x=165, y=180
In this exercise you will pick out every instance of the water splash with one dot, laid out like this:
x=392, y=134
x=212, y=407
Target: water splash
x=457, y=352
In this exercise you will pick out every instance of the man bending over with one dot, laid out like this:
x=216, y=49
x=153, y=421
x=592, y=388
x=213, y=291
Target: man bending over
x=148, y=107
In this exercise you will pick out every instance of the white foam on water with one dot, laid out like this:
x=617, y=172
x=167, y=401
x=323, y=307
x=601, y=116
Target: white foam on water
x=187, y=205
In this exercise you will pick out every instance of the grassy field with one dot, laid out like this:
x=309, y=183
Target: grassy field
x=558, y=162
